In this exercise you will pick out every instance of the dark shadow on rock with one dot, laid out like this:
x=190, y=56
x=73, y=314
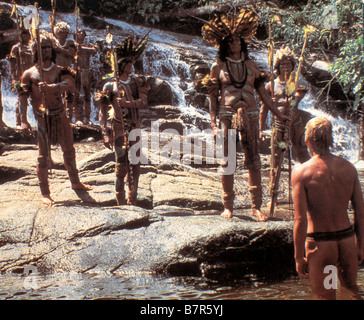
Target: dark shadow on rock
x=85, y=196
x=11, y=174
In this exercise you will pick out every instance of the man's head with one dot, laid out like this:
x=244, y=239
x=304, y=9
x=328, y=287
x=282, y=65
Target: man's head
x=24, y=35
x=227, y=44
x=81, y=35
x=61, y=30
x=48, y=53
x=284, y=61
x=319, y=136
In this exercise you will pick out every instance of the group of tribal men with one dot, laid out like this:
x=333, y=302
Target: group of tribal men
x=323, y=185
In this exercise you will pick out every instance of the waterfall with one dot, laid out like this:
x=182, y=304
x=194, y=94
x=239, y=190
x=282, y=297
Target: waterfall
x=166, y=64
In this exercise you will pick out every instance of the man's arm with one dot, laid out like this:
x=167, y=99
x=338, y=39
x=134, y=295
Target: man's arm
x=268, y=102
x=23, y=102
x=142, y=101
x=358, y=206
x=67, y=82
x=300, y=221
x=214, y=96
x=263, y=117
x=105, y=101
x=14, y=64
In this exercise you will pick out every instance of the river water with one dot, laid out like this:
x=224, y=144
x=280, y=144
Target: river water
x=145, y=286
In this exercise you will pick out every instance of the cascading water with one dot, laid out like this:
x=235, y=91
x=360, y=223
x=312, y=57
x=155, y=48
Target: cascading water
x=162, y=59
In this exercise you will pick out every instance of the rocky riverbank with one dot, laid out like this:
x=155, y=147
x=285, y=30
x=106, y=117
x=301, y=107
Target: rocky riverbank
x=176, y=228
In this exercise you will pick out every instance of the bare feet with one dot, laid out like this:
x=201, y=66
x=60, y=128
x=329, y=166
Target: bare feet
x=46, y=199
x=227, y=214
x=81, y=186
x=259, y=215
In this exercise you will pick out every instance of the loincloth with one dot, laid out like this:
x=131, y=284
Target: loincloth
x=52, y=123
x=331, y=236
x=281, y=127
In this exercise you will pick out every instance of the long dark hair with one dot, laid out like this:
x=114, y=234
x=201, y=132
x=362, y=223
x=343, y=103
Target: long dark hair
x=224, y=48
x=34, y=47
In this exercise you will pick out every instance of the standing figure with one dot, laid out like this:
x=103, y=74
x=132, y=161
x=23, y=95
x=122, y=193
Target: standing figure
x=323, y=235
x=45, y=88
x=84, y=76
x=124, y=114
x=2, y=123
x=20, y=59
x=294, y=132
x=232, y=83
x=66, y=51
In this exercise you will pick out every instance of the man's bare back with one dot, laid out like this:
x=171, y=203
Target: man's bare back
x=323, y=234
x=329, y=183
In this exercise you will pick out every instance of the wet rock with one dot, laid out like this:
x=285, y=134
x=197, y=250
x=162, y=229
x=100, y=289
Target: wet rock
x=175, y=229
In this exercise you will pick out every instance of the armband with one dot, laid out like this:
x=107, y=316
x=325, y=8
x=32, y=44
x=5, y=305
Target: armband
x=103, y=97
x=211, y=84
x=263, y=77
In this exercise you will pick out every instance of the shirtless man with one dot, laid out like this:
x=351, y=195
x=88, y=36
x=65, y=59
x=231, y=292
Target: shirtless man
x=48, y=108
x=124, y=118
x=2, y=123
x=234, y=82
x=83, y=72
x=323, y=234
x=66, y=51
x=284, y=66
x=20, y=59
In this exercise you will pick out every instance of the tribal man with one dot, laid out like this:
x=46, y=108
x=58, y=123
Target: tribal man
x=294, y=133
x=20, y=59
x=66, y=51
x=124, y=114
x=84, y=76
x=231, y=85
x=53, y=125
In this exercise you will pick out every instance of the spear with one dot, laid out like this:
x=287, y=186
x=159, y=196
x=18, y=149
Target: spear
x=35, y=32
x=52, y=18
x=77, y=48
x=16, y=14
x=115, y=69
x=291, y=89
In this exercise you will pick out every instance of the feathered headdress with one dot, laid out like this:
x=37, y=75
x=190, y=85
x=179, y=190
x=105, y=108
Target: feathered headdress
x=244, y=24
x=129, y=50
x=284, y=52
x=62, y=26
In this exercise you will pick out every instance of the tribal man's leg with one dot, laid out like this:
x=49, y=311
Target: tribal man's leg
x=121, y=168
x=69, y=105
x=275, y=163
x=87, y=104
x=69, y=154
x=253, y=164
x=17, y=114
x=43, y=161
x=2, y=123
x=227, y=180
x=77, y=109
x=133, y=182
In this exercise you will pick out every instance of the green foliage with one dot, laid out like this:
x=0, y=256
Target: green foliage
x=344, y=41
x=348, y=68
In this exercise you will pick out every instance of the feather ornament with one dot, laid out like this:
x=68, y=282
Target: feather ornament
x=244, y=24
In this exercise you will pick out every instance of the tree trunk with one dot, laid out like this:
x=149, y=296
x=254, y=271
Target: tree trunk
x=200, y=11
